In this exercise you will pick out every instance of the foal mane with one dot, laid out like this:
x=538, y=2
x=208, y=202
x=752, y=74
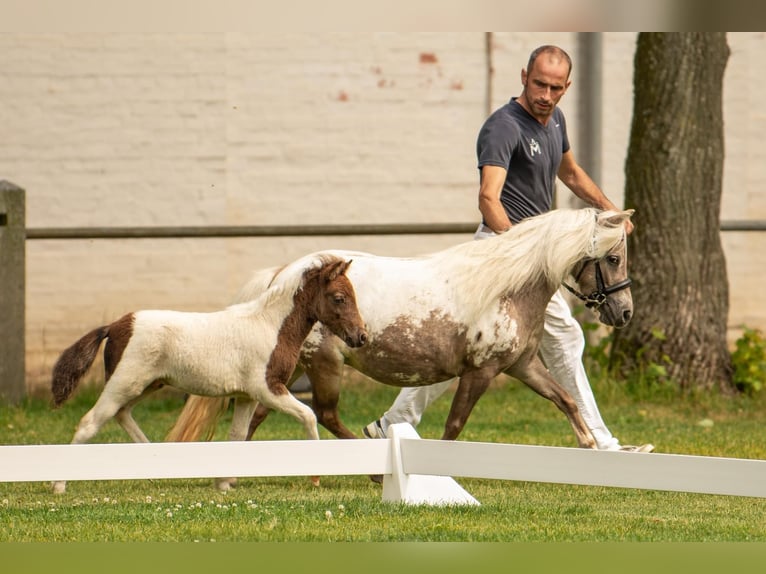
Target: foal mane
x=264, y=301
x=287, y=282
x=298, y=273
x=544, y=248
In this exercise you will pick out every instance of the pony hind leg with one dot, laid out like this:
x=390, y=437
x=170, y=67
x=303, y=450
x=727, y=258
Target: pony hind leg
x=124, y=416
x=115, y=401
x=326, y=373
x=104, y=409
x=470, y=388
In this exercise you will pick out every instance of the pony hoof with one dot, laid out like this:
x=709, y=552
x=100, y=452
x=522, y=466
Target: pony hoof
x=377, y=478
x=225, y=484
x=59, y=487
x=315, y=480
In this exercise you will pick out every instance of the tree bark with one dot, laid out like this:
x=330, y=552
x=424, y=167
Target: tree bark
x=673, y=180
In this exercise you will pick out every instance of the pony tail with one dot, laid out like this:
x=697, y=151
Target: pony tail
x=74, y=362
x=198, y=419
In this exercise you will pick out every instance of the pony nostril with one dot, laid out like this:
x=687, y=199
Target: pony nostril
x=363, y=338
x=626, y=316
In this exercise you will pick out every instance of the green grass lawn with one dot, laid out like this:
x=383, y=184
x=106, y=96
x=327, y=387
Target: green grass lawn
x=349, y=508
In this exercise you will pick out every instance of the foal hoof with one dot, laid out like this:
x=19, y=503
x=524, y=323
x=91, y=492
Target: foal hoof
x=58, y=487
x=378, y=478
x=225, y=484
x=315, y=480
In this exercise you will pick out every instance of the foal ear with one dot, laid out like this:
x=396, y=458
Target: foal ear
x=337, y=269
x=615, y=218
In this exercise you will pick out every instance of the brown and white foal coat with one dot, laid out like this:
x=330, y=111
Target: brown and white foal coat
x=247, y=351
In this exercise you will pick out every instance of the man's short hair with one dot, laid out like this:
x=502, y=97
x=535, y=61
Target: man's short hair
x=549, y=49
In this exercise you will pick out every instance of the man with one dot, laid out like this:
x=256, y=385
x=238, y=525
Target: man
x=521, y=149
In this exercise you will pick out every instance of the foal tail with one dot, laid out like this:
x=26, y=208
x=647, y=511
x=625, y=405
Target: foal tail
x=74, y=362
x=198, y=419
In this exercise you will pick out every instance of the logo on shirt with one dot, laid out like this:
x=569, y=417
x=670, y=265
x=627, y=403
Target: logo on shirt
x=534, y=147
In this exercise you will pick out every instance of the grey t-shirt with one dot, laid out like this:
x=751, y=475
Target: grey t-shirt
x=511, y=138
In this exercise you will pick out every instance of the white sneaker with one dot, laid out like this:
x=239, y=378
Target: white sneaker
x=639, y=448
x=374, y=430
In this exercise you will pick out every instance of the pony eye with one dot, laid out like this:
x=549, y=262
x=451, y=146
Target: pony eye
x=613, y=260
x=339, y=299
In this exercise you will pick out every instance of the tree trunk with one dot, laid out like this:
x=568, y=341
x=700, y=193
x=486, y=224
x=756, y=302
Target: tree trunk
x=673, y=180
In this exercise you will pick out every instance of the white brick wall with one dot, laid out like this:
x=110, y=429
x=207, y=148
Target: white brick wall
x=105, y=129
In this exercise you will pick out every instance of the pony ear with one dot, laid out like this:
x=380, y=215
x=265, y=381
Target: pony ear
x=337, y=269
x=615, y=218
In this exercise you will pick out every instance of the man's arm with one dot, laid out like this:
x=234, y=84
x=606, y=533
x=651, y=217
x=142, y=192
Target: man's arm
x=492, y=180
x=575, y=178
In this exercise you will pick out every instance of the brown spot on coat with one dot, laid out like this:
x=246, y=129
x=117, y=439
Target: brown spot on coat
x=118, y=338
x=415, y=353
x=75, y=361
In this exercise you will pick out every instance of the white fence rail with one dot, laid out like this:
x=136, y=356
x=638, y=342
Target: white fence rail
x=415, y=471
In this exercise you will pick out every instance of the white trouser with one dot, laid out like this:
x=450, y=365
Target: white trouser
x=561, y=348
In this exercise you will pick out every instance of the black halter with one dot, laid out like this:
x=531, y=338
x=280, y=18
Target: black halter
x=598, y=297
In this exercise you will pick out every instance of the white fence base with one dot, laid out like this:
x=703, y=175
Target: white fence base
x=400, y=486
x=415, y=471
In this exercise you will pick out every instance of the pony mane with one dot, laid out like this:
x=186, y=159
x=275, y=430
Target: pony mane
x=297, y=273
x=544, y=248
x=264, y=301
x=288, y=281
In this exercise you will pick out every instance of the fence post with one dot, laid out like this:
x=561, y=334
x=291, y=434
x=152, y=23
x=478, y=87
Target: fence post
x=12, y=282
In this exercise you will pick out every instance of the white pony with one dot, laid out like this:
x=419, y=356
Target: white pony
x=247, y=351
x=471, y=311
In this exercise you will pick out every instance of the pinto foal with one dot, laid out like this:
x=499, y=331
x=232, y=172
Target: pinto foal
x=247, y=351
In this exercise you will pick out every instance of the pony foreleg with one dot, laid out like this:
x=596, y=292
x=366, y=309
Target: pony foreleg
x=470, y=388
x=324, y=401
x=536, y=377
x=262, y=412
x=288, y=404
x=260, y=415
x=325, y=371
x=243, y=412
